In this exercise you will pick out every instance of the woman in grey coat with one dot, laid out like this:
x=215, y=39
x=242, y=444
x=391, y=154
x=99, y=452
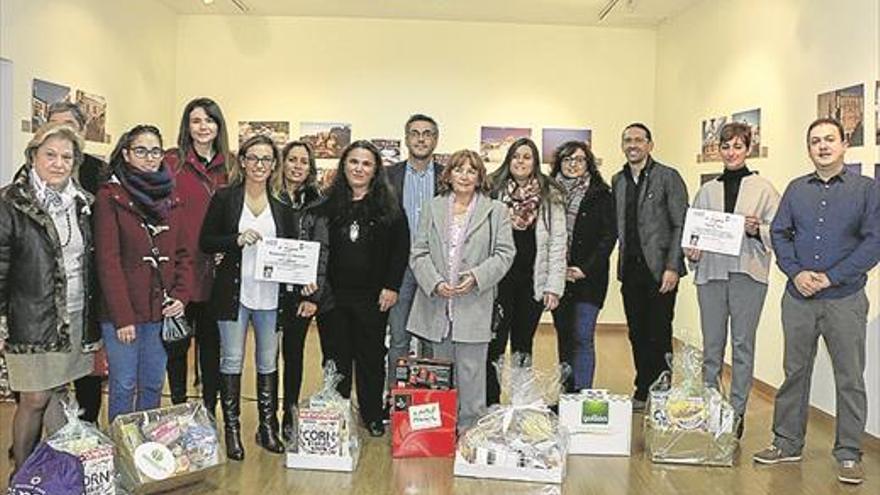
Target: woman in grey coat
x=463, y=248
x=734, y=287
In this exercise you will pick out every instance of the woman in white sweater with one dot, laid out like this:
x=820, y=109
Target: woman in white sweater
x=733, y=288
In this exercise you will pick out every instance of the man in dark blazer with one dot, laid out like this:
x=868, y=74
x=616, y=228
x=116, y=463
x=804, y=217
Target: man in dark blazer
x=651, y=202
x=414, y=181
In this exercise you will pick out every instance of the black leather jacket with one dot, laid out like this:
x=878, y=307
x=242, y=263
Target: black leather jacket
x=33, y=283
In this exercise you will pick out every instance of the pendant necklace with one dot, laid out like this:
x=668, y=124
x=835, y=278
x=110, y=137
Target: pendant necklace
x=69, y=229
x=354, y=231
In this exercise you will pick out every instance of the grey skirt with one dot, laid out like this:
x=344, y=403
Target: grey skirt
x=45, y=371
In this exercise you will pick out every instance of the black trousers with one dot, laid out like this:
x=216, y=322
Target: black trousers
x=355, y=340
x=521, y=314
x=294, y=331
x=649, y=318
x=207, y=336
x=88, y=396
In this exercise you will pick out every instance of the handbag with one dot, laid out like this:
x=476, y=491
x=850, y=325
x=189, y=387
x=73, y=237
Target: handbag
x=174, y=328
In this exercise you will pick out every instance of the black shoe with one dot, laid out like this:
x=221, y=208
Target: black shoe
x=287, y=428
x=386, y=413
x=267, y=413
x=376, y=428
x=230, y=401
x=741, y=426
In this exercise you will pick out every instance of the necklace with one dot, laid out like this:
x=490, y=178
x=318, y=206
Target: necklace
x=69, y=229
x=354, y=231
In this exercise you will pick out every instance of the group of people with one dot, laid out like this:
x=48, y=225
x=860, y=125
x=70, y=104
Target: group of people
x=453, y=259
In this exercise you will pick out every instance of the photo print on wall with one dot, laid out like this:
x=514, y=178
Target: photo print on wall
x=709, y=139
x=552, y=138
x=94, y=107
x=43, y=94
x=442, y=158
x=494, y=141
x=847, y=105
x=389, y=150
x=278, y=132
x=752, y=118
x=327, y=139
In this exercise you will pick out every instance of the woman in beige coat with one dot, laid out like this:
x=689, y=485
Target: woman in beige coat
x=463, y=248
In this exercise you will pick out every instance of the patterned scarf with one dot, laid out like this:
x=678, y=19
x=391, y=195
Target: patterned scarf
x=151, y=191
x=575, y=189
x=522, y=202
x=51, y=200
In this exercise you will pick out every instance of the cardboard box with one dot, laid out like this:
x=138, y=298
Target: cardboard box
x=598, y=423
x=424, y=373
x=423, y=422
x=324, y=438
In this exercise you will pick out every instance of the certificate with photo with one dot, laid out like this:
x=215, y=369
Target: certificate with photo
x=287, y=261
x=713, y=231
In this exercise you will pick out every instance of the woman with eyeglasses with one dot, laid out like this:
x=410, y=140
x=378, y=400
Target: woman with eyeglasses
x=144, y=258
x=46, y=283
x=200, y=163
x=238, y=218
x=536, y=279
x=369, y=250
x=591, y=232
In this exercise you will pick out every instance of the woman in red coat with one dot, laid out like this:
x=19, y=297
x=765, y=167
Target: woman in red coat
x=200, y=164
x=144, y=256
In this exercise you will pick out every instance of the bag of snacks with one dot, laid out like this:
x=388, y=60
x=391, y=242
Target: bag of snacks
x=48, y=472
x=94, y=449
x=687, y=422
x=522, y=439
x=165, y=448
x=324, y=432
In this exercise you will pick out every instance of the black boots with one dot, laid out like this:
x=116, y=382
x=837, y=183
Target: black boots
x=267, y=412
x=230, y=401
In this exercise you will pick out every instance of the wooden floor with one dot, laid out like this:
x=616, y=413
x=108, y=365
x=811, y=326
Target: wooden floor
x=264, y=473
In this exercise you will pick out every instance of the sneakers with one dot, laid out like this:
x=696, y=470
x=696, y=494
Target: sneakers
x=774, y=455
x=851, y=472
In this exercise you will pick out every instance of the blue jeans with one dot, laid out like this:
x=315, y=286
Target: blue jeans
x=136, y=370
x=398, y=316
x=232, y=338
x=575, y=329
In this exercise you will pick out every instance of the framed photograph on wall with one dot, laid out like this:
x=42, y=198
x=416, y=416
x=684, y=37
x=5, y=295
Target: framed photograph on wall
x=847, y=105
x=709, y=139
x=494, y=141
x=327, y=139
x=752, y=118
x=277, y=131
x=552, y=138
x=94, y=107
x=43, y=94
x=389, y=149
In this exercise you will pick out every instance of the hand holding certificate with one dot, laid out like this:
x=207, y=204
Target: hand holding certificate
x=287, y=261
x=713, y=231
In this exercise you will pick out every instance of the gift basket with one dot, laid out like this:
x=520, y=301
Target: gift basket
x=687, y=422
x=166, y=448
x=94, y=449
x=522, y=439
x=324, y=432
x=598, y=422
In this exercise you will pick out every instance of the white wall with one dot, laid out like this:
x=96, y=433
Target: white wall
x=375, y=73
x=721, y=57
x=124, y=51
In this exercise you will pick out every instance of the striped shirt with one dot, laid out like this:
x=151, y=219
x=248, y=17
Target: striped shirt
x=418, y=187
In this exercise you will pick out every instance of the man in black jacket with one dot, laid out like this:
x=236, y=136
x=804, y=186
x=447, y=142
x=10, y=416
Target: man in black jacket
x=414, y=181
x=651, y=201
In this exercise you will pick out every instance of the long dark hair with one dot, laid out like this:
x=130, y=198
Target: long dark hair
x=568, y=149
x=550, y=190
x=380, y=200
x=184, y=138
x=117, y=160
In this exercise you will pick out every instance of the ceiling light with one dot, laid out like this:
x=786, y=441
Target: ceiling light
x=207, y=2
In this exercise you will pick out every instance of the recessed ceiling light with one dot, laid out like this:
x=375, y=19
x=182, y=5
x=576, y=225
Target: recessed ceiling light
x=207, y=2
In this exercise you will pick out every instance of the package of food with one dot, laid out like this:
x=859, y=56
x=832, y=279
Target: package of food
x=598, y=422
x=423, y=422
x=326, y=438
x=419, y=372
x=166, y=448
x=521, y=439
x=94, y=449
x=687, y=422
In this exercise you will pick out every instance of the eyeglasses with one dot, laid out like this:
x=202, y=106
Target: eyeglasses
x=143, y=152
x=574, y=160
x=266, y=161
x=426, y=134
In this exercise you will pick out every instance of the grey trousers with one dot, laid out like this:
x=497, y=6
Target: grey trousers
x=841, y=322
x=470, y=377
x=738, y=300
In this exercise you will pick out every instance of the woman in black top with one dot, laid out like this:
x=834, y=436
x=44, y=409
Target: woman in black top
x=369, y=250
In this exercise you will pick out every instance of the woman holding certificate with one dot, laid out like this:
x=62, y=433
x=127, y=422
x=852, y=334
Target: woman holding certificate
x=369, y=249
x=733, y=288
x=238, y=218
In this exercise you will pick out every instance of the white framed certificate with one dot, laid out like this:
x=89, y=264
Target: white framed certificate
x=713, y=231
x=287, y=261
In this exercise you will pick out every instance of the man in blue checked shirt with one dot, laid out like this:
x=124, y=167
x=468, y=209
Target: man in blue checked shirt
x=826, y=235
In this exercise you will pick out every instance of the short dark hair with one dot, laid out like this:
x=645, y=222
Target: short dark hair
x=568, y=149
x=829, y=121
x=420, y=117
x=639, y=125
x=733, y=130
x=66, y=106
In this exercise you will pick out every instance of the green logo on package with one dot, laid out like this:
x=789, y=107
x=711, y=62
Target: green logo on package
x=594, y=412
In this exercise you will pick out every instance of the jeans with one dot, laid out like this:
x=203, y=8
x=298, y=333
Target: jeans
x=575, y=323
x=397, y=319
x=232, y=339
x=136, y=370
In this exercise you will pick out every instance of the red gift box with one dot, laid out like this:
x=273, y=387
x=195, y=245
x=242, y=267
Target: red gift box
x=423, y=422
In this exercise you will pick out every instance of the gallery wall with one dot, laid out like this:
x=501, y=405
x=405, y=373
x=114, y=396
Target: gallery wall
x=123, y=51
x=718, y=58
